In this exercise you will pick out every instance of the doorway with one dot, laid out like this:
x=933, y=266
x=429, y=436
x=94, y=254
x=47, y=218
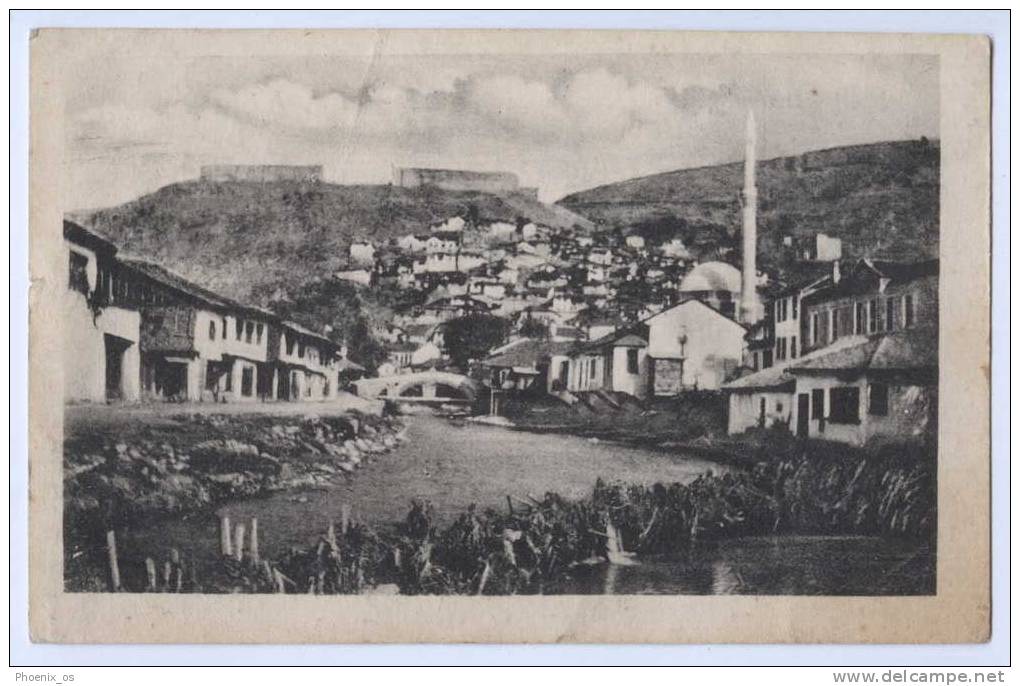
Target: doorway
x=803, y=408
x=114, y=348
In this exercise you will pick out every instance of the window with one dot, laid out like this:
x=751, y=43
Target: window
x=796, y=304
x=878, y=399
x=779, y=406
x=793, y=346
x=890, y=309
x=212, y=330
x=833, y=325
x=632, y=360
x=859, y=320
x=844, y=405
x=817, y=403
x=181, y=322
x=223, y=327
x=78, y=279
x=289, y=344
x=301, y=350
x=258, y=334
x=238, y=328
x=591, y=368
x=873, y=316
x=814, y=329
x=249, y=331
x=908, y=311
x=228, y=381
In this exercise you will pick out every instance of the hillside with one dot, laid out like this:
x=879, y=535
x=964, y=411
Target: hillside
x=881, y=199
x=259, y=241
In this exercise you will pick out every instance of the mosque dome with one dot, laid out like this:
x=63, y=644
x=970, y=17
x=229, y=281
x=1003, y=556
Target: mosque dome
x=712, y=276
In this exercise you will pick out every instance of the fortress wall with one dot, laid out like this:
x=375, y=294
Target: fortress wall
x=261, y=173
x=456, y=180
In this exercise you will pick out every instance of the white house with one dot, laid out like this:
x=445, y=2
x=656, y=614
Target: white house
x=692, y=346
x=636, y=242
x=451, y=224
x=413, y=243
x=618, y=362
x=675, y=248
x=101, y=339
x=358, y=276
x=362, y=253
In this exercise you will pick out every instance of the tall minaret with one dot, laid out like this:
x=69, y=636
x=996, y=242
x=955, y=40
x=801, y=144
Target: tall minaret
x=750, y=307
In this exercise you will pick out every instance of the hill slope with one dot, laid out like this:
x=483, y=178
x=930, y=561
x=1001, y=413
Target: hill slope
x=881, y=199
x=253, y=240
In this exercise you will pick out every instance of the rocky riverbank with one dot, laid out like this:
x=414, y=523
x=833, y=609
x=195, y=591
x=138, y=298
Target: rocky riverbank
x=177, y=465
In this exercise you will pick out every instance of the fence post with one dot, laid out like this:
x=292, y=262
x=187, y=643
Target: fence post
x=255, y=541
x=239, y=542
x=345, y=518
x=111, y=549
x=150, y=573
x=225, y=547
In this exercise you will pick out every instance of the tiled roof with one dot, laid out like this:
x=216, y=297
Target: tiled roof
x=902, y=350
x=779, y=375
x=527, y=352
x=191, y=289
x=88, y=238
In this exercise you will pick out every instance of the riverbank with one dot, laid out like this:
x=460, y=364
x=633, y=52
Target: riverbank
x=695, y=422
x=125, y=465
x=716, y=534
x=460, y=499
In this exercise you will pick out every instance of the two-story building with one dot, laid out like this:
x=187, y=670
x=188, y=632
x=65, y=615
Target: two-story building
x=305, y=364
x=869, y=366
x=193, y=341
x=101, y=337
x=872, y=297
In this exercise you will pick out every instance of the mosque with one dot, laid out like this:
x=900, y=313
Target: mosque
x=722, y=286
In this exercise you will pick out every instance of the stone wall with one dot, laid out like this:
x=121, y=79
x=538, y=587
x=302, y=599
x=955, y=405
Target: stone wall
x=262, y=173
x=456, y=180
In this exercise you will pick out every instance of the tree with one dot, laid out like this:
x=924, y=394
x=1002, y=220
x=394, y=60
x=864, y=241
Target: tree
x=472, y=336
x=339, y=305
x=534, y=328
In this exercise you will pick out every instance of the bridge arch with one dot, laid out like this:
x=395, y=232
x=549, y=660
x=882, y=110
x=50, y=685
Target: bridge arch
x=394, y=387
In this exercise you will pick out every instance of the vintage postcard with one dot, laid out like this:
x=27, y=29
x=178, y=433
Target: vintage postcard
x=509, y=336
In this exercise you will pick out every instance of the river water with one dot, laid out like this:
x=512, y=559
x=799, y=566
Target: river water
x=456, y=465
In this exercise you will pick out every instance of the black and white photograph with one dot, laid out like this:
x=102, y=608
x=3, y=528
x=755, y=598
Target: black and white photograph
x=528, y=324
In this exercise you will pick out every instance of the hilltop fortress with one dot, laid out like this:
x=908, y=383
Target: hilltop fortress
x=262, y=173
x=460, y=180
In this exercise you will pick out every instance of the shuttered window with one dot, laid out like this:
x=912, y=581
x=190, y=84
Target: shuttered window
x=845, y=405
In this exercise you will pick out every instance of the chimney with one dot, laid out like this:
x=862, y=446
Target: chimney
x=750, y=307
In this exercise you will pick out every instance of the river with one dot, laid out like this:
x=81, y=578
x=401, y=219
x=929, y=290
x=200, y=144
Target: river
x=456, y=465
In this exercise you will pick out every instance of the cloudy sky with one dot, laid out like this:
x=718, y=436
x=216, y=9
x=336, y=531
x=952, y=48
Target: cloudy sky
x=562, y=123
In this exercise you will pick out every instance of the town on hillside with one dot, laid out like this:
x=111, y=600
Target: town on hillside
x=496, y=317
x=716, y=380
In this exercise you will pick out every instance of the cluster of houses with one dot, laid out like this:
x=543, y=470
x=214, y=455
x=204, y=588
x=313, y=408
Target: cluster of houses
x=137, y=331
x=848, y=356
x=521, y=271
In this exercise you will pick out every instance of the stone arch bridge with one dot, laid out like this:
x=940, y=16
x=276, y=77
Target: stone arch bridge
x=430, y=386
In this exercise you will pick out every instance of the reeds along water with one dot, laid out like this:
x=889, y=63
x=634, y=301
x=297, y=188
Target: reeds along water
x=534, y=543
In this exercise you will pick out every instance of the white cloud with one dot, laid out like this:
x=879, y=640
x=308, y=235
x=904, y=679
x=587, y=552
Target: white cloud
x=561, y=124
